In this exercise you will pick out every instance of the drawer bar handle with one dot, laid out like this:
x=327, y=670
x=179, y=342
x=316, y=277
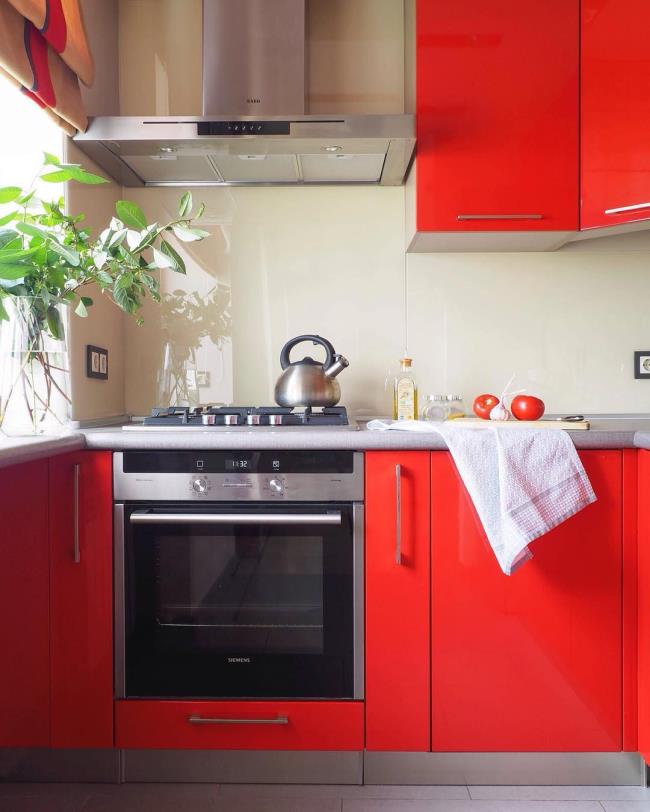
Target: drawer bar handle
x=215, y=720
x=500, y=217
x=621, y=209
x=398, y=514
x=76, y=552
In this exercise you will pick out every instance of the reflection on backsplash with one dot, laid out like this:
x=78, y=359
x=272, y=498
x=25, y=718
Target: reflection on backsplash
x=196, y=348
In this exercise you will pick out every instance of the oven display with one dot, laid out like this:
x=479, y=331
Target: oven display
x=238, y=464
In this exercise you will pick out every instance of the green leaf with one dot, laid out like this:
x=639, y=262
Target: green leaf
x=131, y=214
x=9, y=256
x=10, y=193
x=50, y=160
x=87, y=300
x=54, y=323
x=25, y=199
x=199, y=213
x=71, y=172
x=80, y=309
x=185, y=206
x=70, y=256
x=117, y=238
x=172, y=253
x=14, y=272
x=162, y=260
x=33, y=231
x=189, y=234
x=56, y=277
x=4, y=316
x=8, y=236
x=105, y=279
x=8, y=218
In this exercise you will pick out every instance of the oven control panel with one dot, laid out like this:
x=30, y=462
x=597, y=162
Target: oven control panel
x=265, y=476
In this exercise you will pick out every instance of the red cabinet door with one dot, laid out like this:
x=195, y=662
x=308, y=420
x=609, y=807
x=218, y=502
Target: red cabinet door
x=81, y=663
x=24, y=607
x=397, y=601
x=615, y=112
x=497, y=115
x=530, y=662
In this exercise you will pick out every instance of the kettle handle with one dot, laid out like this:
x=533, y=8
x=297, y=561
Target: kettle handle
x=286, y=350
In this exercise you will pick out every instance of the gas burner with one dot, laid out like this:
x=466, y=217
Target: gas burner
x=225, y=416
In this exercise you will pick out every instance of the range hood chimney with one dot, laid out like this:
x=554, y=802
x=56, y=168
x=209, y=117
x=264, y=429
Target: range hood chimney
x=254, y=129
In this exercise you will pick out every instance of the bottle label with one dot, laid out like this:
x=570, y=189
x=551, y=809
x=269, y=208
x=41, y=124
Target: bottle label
x=405, y=399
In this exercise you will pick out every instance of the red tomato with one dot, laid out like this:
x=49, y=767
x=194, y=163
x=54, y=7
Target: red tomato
x=483, y=405
x=527, y=407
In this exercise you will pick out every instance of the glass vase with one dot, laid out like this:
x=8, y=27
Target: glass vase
x=34, y=373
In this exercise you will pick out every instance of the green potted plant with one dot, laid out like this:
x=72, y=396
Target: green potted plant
x=48, y=262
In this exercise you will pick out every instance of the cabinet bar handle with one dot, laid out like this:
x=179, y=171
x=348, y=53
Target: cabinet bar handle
x=398, y=514
x=77, y=547
x=622, y=209
x=212, y=720
x=500, y=217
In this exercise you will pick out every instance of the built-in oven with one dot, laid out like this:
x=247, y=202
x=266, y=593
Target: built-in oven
x=239, y=574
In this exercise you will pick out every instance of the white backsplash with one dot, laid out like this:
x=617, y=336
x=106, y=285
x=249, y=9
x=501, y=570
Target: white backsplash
x=330, y=261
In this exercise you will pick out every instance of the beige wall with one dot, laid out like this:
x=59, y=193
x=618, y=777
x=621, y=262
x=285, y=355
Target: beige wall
x=355, y=56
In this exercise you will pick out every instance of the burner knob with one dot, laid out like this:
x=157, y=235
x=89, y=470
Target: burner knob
x=276, y=485
x=200, y=485
x=253, y=419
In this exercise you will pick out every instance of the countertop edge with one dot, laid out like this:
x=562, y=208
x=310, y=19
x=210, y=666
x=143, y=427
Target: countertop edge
x=19, y=450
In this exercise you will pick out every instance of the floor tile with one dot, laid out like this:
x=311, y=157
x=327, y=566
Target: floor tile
x=569, y=793
x=470, y=806
x=343, y=791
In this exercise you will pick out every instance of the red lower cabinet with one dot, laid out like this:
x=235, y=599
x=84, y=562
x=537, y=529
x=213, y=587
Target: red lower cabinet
x=644, y=603
x=397, y=601
x=530, y=662
x=24, y=607
x=81, y=600
x=239, y=725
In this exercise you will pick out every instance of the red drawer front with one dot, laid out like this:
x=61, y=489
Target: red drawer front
x=178, y=725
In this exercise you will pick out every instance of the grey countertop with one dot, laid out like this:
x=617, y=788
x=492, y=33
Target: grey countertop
x=616, y=431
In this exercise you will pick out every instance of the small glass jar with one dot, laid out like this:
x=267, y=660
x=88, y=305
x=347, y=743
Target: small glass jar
x=455, y=407
x=435, y=408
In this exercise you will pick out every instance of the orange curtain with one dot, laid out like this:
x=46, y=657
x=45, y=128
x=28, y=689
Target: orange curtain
x=44, y=50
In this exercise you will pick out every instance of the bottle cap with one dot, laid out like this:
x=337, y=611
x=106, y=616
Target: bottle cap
x=406, y=362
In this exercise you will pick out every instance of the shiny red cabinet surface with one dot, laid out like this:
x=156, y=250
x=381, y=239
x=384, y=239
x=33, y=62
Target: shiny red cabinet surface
x=497, y=115
x=24, y=609
x=615, y=102
x=530, y=662
x=644, y=603
x=397, y=601
x=81, y=599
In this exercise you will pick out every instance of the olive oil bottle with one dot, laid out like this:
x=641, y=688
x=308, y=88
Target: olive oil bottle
x=405, y=393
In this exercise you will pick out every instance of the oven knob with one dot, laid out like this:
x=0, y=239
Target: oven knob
x=200, y=485
x=276, y=485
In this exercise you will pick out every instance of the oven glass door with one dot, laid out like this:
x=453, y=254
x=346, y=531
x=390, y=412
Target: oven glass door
x=227, y=601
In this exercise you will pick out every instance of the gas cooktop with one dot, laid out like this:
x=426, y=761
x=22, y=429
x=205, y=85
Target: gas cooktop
x=233, y=417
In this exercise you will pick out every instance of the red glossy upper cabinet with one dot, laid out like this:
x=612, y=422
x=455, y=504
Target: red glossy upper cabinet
x=531, y=661
x=497, y=116
x=615, y=112
x=397, y=601
x=81, y=553
x=24, y=607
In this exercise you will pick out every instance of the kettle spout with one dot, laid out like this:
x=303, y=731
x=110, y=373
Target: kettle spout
x=338, y=365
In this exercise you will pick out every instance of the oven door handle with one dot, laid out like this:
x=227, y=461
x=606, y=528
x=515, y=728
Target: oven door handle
x=214, y=720
x=144, y=517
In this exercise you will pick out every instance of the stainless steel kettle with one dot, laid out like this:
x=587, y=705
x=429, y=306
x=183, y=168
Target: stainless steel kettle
x=308, y=382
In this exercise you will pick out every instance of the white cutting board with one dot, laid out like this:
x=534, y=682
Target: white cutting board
x=476, y=422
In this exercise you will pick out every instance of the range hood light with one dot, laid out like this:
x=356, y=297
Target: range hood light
x=251, y=157
x=167, y=150
x=332, y=148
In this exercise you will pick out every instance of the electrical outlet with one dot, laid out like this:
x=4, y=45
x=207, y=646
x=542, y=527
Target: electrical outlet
x=202, y=378
x=96, y=362
x=642, y=364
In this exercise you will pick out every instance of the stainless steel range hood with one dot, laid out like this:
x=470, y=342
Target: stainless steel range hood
x=254, y=130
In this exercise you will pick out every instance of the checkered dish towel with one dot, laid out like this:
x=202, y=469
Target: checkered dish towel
x=523, y=481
